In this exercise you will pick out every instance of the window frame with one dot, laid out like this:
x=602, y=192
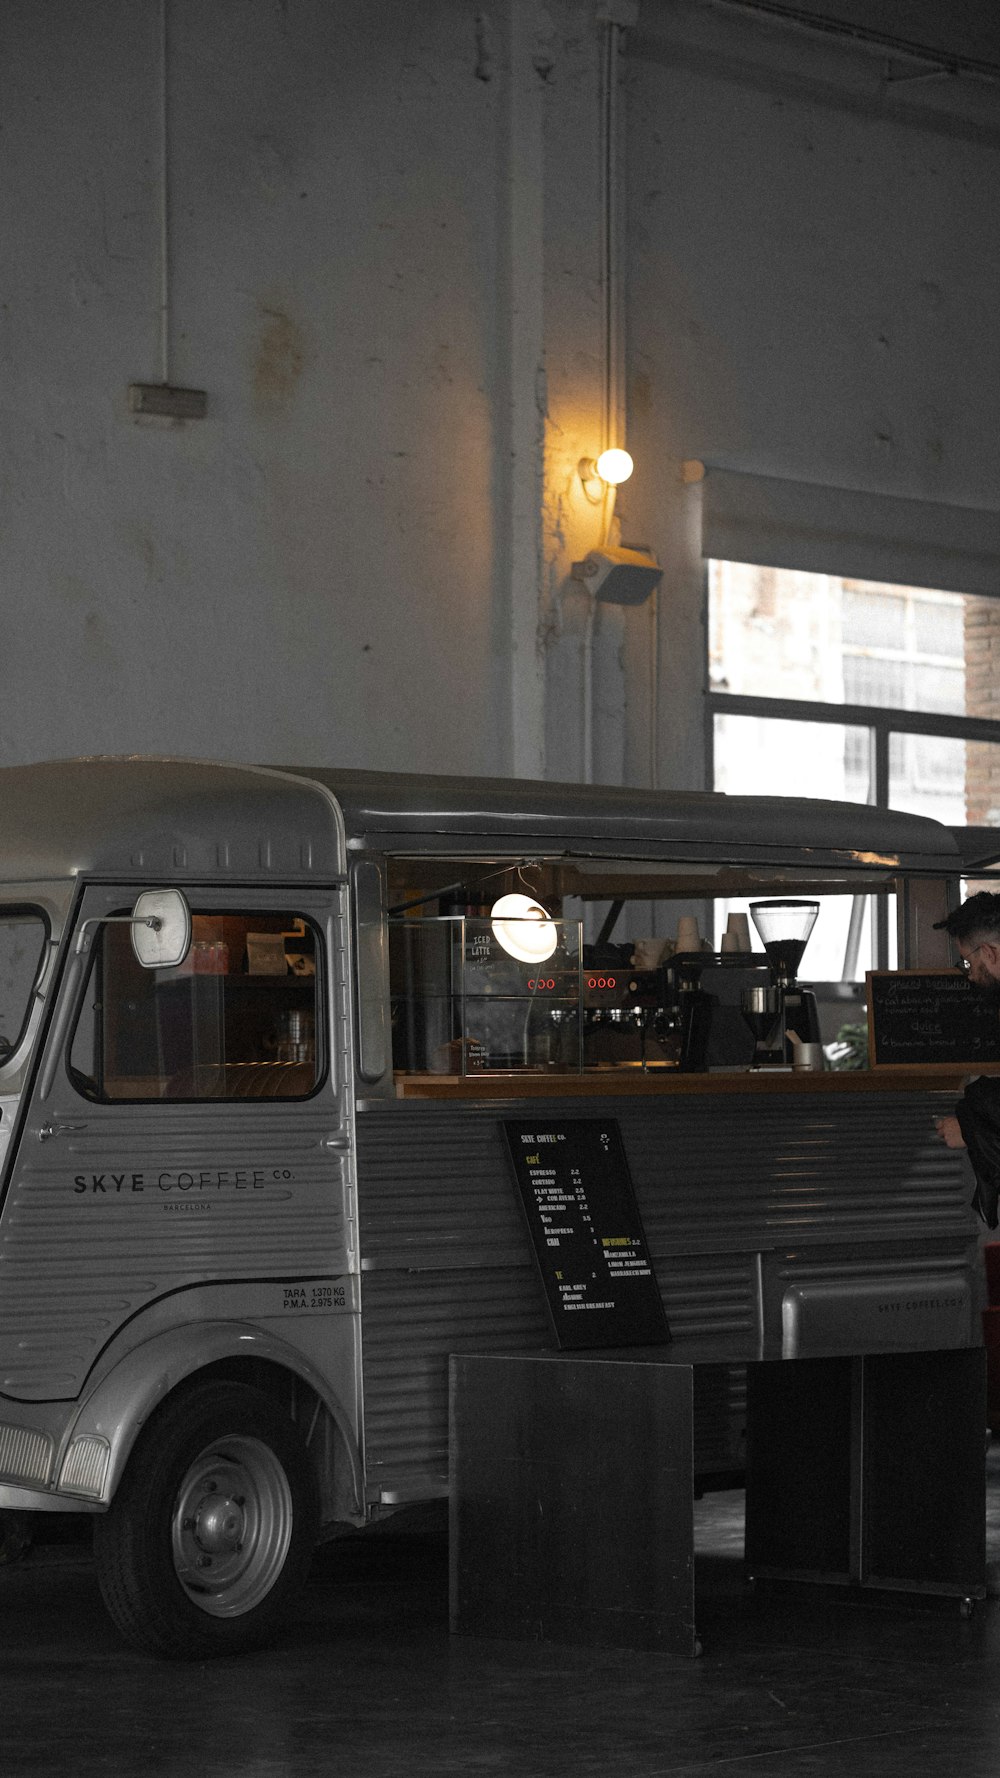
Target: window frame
x=881, y=721
x=30, y=909
x=322, y=1047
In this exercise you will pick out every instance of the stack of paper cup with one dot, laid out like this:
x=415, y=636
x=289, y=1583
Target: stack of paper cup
x=688, y=936
x=738, y=926
x=730, y=942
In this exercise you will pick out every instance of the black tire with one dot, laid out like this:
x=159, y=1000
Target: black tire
x=212, y=1528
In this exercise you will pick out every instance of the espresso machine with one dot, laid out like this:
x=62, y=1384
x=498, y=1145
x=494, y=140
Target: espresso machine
x=784, y=927
x=697, y=1003
x=699, y=999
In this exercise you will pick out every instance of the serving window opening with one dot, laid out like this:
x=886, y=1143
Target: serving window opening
x=652, y=968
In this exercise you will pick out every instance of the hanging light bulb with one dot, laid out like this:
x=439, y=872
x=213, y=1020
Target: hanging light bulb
x=523, y=928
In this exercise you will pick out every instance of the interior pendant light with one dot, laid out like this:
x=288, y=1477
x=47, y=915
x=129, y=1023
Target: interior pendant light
x=523, y=928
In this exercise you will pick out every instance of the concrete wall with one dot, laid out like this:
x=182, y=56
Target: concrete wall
x=385, y=269
x=813, y=263
x=312, y=570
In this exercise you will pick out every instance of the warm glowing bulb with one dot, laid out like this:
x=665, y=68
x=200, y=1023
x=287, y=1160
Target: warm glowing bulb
x=614, y=467
x=523, y=928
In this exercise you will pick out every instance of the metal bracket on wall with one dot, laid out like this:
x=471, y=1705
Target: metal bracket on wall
x=166, y=400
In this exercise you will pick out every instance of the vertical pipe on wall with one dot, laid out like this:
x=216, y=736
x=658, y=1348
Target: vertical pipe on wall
x=612, y=344
x=587, y=688
x=625, y=741
x=654, y=686
x=525, y=175
x=597, y=755
x=612, y=416
x=164, y=198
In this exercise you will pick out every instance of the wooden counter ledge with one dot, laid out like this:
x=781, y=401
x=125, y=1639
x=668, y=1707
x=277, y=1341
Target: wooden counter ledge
x=608, y=1083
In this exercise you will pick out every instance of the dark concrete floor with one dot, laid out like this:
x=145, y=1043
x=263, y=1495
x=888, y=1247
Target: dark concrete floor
x=367, y=1683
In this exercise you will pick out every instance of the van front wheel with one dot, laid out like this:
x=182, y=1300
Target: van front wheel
x=213, y=1525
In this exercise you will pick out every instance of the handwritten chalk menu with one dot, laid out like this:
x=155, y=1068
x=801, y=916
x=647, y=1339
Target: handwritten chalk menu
x=926, y=1017
x=574, y=1185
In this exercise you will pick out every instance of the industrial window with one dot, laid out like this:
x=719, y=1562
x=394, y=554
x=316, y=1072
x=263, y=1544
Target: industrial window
x=856, y=690
x=237, y=1020
x=850, y=642
x=850, y=689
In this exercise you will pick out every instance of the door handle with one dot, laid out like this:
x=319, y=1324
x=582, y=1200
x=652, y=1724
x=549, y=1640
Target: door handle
x=340, y=1141
x=49, y=1130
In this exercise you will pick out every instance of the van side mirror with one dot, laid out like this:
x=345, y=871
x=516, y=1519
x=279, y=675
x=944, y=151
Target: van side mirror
x=161, y=928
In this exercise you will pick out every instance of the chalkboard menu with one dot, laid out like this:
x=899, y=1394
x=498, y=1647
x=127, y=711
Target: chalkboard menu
x=574, y=1185
x=921, y=1018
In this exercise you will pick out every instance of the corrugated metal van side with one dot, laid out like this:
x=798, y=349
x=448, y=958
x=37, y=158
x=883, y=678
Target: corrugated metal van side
x=858, y=1178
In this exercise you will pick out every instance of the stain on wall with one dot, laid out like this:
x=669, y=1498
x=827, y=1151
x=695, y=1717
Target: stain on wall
x=278, y=360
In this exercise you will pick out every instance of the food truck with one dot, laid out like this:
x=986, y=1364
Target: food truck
x=261, y=1033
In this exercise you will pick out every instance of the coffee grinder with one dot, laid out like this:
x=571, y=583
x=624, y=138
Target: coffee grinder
x=763, y=1011
x=784, y=928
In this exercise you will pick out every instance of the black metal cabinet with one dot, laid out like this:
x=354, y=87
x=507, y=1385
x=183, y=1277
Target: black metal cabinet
x=572, y=1485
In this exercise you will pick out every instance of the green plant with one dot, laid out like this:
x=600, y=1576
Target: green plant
x=850, y=1047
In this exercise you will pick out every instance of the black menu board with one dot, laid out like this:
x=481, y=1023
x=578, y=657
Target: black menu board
x=574, y=1185
x=920, y=1018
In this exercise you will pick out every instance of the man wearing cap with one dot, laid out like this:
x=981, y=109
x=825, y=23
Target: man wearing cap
x=975, y=1125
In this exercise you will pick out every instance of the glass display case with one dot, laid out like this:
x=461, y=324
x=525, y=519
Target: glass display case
x=463, y=1004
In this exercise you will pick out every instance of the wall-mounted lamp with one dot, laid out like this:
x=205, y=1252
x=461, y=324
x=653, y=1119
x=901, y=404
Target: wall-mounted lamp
x=523, y=928
x=619, y=576
x=609, y=470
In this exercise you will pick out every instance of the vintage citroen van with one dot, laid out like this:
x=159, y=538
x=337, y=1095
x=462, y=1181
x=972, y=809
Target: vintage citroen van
x=258, y=1033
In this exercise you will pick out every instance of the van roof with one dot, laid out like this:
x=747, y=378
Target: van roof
x=174, y=819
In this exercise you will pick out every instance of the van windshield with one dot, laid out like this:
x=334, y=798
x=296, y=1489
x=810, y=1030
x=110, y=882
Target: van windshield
x=23, y=934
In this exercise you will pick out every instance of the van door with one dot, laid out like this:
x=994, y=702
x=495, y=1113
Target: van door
x=188, y=1146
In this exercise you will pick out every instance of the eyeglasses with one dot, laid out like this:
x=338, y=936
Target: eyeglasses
x=966, y=962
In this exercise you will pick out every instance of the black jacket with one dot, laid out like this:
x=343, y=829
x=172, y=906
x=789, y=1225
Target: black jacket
x=978, y=1113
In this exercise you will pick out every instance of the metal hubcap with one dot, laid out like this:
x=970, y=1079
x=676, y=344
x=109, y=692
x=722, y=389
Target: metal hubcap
x=219, y=1524
x=231, y=1526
